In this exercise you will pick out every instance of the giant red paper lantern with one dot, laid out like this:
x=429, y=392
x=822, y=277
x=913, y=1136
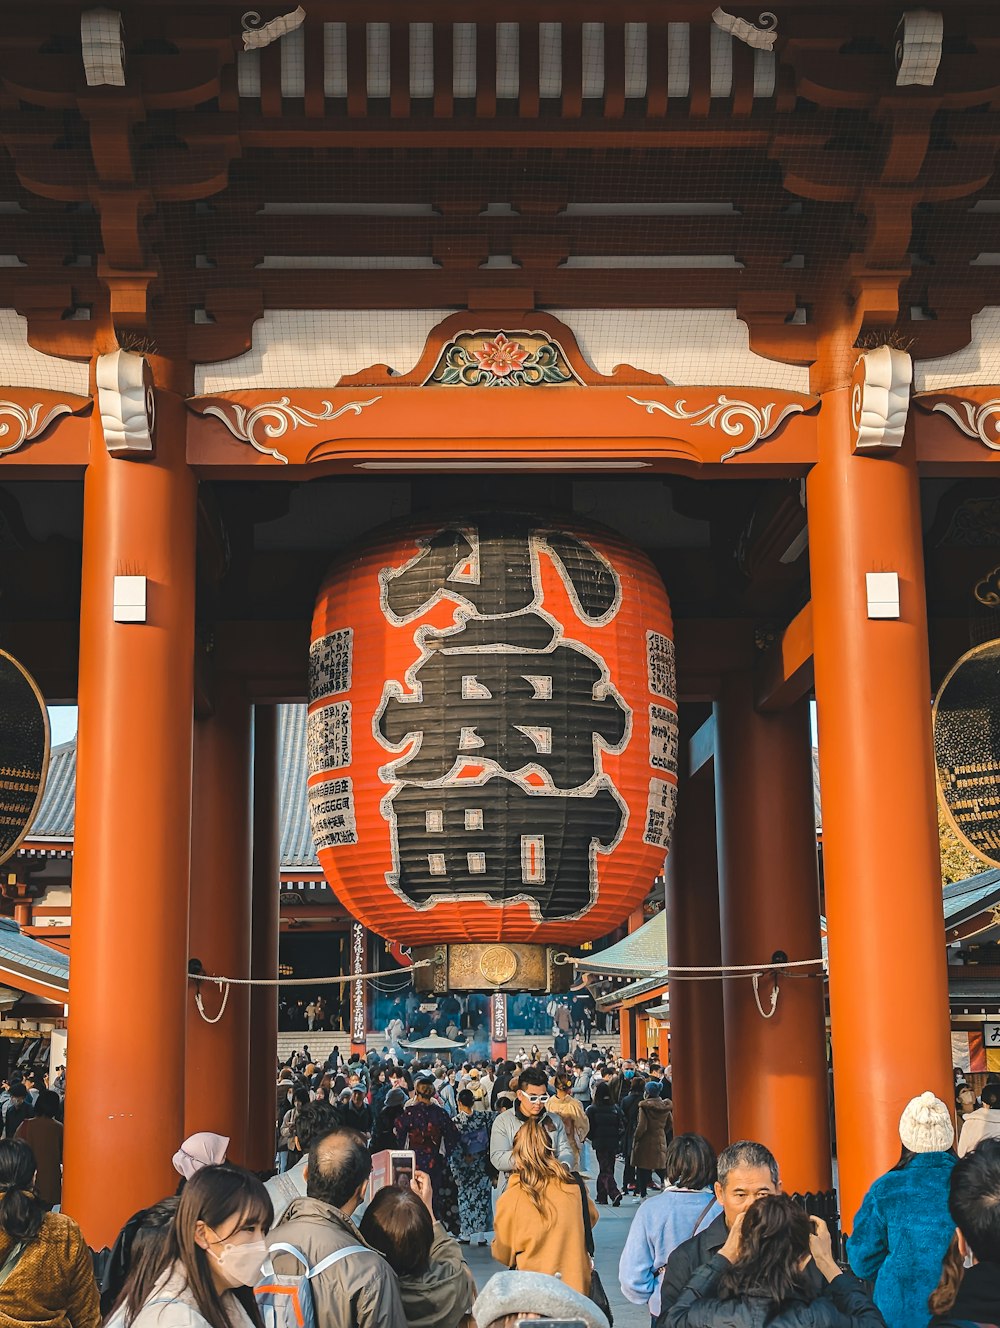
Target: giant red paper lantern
x=492, y=729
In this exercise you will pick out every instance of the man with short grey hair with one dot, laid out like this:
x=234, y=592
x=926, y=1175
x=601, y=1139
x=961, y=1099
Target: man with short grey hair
x=747, y=1171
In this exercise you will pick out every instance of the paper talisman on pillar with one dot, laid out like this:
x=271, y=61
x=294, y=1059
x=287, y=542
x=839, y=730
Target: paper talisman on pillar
x=492, y=733
x=24, y=753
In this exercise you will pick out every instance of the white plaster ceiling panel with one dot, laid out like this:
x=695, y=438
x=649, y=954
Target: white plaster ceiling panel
x=23, y=366
x=685, y=346
x=316, y=348
x=978, y=362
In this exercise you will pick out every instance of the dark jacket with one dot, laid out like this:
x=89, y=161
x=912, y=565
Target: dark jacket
x=688, y=1257
x=843, y=1304
x=654, y=1124
x=978, y=1300
x=607, y=1125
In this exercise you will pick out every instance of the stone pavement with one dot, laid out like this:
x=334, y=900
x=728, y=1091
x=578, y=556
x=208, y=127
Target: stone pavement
x=609, y=1238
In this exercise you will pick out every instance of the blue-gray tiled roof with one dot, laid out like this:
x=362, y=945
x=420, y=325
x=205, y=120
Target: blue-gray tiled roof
x=23, y=956
x=56, y=814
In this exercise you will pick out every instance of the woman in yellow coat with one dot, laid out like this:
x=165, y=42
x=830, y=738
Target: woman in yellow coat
x=539, y=1217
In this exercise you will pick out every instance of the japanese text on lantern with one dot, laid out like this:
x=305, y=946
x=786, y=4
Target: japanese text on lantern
x=498, y=792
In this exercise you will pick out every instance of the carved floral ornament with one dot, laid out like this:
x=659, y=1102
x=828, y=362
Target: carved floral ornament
x=475, y=359
x=744, y=420
x=979, y=420
x=273, y=419
x=21, y=423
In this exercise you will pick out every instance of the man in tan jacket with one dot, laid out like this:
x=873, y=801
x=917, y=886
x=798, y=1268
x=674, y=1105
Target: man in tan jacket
x=359, y=1290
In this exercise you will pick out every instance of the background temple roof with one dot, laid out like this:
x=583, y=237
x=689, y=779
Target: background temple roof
x=55, y=819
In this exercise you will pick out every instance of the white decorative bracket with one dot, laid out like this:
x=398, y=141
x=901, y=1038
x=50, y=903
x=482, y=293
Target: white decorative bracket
x=257, y=34
x=127, y=402
x=880, y=399
x=738, y=419
x=762, y=36
x=919, y=42
x=101, y=36
x=20, y=424
x=277, y=417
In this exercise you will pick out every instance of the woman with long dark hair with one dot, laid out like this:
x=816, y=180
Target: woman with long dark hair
x=46, y=1272
x=210, y=1260
x=762, y=1275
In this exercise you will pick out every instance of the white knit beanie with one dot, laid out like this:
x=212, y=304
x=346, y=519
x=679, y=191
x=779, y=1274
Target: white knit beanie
x=926, y=1125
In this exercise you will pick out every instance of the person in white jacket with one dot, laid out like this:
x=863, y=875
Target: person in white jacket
x=202, y=1274
x=530, y=1101
x=984, y=1123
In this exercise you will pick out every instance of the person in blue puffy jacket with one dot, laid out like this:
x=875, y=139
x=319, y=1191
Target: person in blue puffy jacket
x=903, y=1228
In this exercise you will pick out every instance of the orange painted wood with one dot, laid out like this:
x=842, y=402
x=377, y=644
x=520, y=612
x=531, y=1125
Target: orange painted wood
x=697, y=1028
x=700, y=95
x=873, y=695
x=399, y=67
x=270, y=80
x=486, y=71
x=769, y=900
x=357, y=70
x=572, y=71
x=657, y=52
x=614, y=70
x=219, y=928
x=315, y=97
x=266, y=859
x=133, y=804
x=743, y=67
x=528, y=67
x=444, y=77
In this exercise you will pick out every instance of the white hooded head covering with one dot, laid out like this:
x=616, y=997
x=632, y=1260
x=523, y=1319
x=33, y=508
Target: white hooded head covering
x=200, y=1150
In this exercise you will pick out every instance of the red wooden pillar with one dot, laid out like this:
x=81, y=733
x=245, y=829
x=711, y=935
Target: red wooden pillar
x=218, y=1053
x=697, y=1029
x=264, y=938
x=133, y=832
x=498, y=1025
x=769, y=893
x=359, y=1005
x=880, y=842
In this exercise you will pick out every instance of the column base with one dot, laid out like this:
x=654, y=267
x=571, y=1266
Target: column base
x=491, y=966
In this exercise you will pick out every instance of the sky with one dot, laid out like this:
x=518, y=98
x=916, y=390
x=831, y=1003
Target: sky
x=62, y=722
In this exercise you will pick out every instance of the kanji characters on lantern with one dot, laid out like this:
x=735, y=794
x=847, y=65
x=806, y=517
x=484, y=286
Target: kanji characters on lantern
x=492, y=733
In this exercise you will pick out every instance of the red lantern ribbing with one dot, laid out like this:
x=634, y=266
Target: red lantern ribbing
x=492, y=731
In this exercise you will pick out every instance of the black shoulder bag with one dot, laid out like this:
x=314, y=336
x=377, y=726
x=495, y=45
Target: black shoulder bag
x=597, y=1293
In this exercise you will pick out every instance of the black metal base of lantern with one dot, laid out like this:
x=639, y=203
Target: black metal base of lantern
x=491, y=966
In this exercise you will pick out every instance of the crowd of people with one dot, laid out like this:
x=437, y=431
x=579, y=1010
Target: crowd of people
x=501, y=1155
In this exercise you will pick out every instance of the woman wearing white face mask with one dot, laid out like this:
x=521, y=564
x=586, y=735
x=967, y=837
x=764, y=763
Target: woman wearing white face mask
x=201, y=1276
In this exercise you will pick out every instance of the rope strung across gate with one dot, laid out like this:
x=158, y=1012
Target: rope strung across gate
x=225, y=984
x=719, y=972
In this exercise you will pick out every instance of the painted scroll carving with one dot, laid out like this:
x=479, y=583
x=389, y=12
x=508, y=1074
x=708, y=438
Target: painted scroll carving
x=744, y=420
x=919, y=41
x=880, y=399
x=101, y=33
x=127, y=402
x=273, y=419
x=257, y=34
x=496, y=360
x=761, y=36
x=976, y=419
x=20, y=424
